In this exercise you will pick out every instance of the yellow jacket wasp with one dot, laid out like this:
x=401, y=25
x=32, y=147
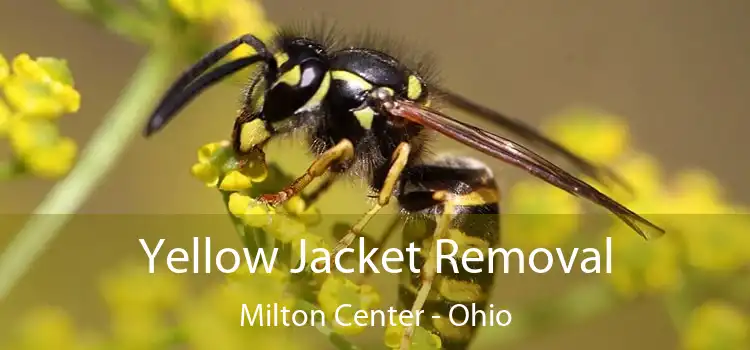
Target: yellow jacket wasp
x=366, y=113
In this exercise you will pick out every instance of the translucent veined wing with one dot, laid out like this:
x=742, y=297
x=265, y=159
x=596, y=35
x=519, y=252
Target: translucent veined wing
x=513, y=153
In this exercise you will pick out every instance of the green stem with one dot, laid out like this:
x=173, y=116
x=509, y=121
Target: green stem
x=97, y=160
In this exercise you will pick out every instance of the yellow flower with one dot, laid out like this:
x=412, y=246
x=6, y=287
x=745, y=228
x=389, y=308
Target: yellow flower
x=38, y=144
x=210, y=322
x=238, y=204
x=640, y=266
x=697, y=192
x=56, y=326
x=250, y=211
x=540, y=215
x=254, y=213
x=206, y=173
x=41, y=88
x=233, y=17
x=158, y=291
x=421, y=340
x=711, y=231
x=717, y=325
x=54, y=161
x=312, y=242
x=138, y=302
x=597, y=136
x=4, y=69
x=298, y=207
x=199, y=10
x=37, y=92
x=235, y=181
x=702, y=228
x=6, y=116
x=295, y=205
x=276, y=276
x=207, y=169
x=43, y=69
x=216, y=160
x=244, y=17
x=207, y=152
x=644, y=174
x=286, y=228
x=337, y=291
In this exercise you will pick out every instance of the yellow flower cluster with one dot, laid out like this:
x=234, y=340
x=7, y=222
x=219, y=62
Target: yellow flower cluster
x=36, y=93
x=215, y=163
x=422, y=339
x=539, y=215
x=211, y=321
x=158, y=311
x=717, y=325
x=336, y=291
x=703, y=229
x=234, y=18
x=286, y=226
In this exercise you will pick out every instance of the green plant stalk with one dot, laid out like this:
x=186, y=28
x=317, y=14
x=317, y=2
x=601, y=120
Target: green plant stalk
x=96, y=161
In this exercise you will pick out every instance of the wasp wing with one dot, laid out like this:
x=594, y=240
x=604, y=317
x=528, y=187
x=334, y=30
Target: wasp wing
x=517, y=155
x=528, y=133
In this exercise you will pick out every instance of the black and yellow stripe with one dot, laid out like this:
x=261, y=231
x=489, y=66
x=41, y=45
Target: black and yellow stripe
x=470, y=199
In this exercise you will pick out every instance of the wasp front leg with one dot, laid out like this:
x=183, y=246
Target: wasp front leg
x=341, y=152
x=398, y=163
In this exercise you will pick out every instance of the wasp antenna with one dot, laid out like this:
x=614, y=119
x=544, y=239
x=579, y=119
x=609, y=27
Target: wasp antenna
x=650, y=232
x=529, y=133
x=169, y=107
x=191, y=83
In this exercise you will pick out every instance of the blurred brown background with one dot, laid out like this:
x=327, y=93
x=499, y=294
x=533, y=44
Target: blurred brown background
x=677, y=70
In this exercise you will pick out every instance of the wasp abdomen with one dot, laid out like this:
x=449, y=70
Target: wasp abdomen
x=465, y=190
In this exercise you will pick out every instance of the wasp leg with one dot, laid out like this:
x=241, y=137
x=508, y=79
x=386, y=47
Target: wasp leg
x=341, y=152
x=429, y=269
x=388, y=232
x=455, y=199
x=398, y=163
x=315, y=194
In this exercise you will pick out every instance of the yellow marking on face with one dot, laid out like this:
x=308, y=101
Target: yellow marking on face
x=252, y=134
x=320, y=94
x=291, y=77
x=413, y=88
x=351, y=78
x=365, y=116
x=281, y=58
x=389, y=91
